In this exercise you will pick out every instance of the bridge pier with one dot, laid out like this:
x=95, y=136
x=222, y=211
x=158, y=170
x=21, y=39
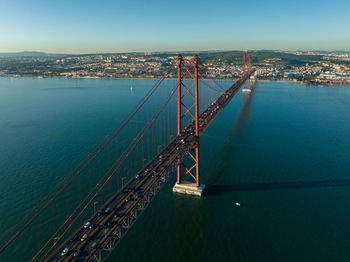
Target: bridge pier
x=189, y=188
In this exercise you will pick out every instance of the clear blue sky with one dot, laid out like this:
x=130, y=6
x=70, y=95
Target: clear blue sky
x=77, y=26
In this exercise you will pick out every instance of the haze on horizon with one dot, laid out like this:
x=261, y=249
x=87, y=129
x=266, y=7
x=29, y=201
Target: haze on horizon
x=108, y=26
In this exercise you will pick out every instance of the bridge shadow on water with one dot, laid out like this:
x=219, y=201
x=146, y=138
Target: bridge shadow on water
x=211, y=190
x=228, y=149
x=215, y=188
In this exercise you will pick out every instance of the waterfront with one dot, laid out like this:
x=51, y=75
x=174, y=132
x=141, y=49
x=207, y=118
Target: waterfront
x=284, y=156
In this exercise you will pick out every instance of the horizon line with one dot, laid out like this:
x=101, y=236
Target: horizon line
x=173, y=51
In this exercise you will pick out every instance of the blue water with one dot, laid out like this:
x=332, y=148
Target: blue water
x=281, y=152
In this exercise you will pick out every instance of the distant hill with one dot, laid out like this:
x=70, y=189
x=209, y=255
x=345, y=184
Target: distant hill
x=24, y=53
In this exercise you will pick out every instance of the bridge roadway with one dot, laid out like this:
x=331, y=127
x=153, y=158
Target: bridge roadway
x=129, y=202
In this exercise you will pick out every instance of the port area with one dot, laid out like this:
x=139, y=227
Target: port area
x=188, y=188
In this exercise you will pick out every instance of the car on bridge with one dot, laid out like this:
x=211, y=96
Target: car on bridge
x=75, y=237
x=84, y=237
x=87, y=224
x=65, y=251
x=76, y=253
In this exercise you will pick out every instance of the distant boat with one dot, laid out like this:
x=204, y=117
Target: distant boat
x=238, y=204
x=131, y=89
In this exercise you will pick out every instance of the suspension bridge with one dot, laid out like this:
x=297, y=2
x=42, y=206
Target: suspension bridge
x=100, y=200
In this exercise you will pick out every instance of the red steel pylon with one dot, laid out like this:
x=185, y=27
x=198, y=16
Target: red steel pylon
x=188, y=68
x=244, y=63
x=247, y=66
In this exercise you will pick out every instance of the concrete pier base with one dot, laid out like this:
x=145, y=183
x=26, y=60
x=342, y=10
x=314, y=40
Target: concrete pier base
x=189, y=188
x=246, y=90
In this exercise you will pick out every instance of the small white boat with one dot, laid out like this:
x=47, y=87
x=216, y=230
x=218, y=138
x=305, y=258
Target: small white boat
x=238, y=204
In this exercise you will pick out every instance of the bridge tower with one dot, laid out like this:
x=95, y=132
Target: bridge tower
x=247, y=67
x=188, y=69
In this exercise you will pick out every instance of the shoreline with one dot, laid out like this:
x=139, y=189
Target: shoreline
x=155, y=78
x=110, y=78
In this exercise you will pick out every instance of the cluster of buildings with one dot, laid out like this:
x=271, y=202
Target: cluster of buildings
x=106, y=66
x=326, y=73
x=332, y=68
x=328, y=69
x=88, y=66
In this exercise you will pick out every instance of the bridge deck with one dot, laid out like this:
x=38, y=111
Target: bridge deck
x=128, y=203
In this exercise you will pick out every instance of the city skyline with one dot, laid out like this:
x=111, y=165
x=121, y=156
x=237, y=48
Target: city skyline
x=106, y=27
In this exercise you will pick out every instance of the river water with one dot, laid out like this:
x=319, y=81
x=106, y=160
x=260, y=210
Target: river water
x=282, y=152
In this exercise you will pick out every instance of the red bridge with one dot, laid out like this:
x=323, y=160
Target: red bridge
x=120, y=177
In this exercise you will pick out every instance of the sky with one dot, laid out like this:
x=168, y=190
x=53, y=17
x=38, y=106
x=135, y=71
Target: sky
x=77, y=26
